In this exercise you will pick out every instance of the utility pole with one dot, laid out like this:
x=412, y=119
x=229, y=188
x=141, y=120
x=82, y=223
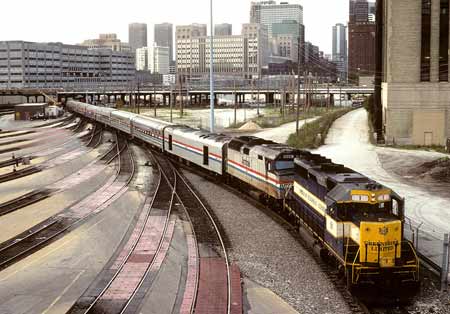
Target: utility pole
x=257, y=96
x=138, y=97
x=328, y=94
x=181, y=95
x=171, y=100
x=154, y=100
x=297, y=126
x=235, y=100
x=211, y=71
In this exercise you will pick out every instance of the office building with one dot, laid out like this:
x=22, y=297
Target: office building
x=339, y=55
x=241, y=55
x=361, y=40
x=288, y=38
x=269, y=12
x=137, y=35
x=416, y=88
x=359, y=11
x=142, y=59
x=224, y=29
x=158, y=60
x=163, y=37
x=285, y=46
x=191, y=31
x=55, y=65
x=109, y=41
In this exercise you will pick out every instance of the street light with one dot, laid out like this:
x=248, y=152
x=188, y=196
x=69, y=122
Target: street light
x=211, y=72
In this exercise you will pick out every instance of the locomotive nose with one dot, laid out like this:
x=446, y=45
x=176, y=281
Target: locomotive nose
x=380, y=243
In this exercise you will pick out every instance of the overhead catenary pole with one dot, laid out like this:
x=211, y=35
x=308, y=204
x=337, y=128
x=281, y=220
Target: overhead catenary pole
x=297, y=122
x=211, y=71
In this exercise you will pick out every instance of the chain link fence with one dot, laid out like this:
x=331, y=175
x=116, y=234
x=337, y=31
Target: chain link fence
x=432, y=246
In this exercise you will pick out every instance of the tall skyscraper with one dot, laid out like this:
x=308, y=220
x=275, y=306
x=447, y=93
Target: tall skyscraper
x=137, y=35
x=359, y=11
x=163, y=37
x=361, y=40
x=269, y=12
x=224, y=29
x=339, y=55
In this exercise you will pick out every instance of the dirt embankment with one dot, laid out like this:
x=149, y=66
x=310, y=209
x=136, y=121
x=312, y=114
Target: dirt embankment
x=438, y=170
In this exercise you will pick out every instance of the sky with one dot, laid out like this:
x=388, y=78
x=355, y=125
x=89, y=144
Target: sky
x=72, y=21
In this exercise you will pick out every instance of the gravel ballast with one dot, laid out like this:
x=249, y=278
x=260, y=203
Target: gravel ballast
x=268, y=254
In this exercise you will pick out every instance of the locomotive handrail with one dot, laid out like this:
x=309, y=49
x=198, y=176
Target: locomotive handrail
x=354, y=263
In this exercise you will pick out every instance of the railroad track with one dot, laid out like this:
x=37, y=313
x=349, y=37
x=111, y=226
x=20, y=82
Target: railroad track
x=214, y=261
x=51, y=229
x=20, y=173
x=11, y=162
x=126, y=288
x=97, y=137
x=111, y=153
x=354, y=304
x=24, y=200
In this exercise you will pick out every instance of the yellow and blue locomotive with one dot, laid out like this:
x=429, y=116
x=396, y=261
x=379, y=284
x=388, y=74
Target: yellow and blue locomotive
x=354, y=220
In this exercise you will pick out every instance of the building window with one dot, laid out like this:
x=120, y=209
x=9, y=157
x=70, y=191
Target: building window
x=425, y=62
x=443, y=41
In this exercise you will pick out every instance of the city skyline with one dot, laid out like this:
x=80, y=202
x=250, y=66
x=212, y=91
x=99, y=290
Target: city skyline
x=115, y=19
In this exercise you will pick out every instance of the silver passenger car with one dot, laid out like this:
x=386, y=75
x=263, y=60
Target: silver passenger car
x=77, y=107
x=202, y=148
x=103, y=115
x=149, y=130
x=121, y=120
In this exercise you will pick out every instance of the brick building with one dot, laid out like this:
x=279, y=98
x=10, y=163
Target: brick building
x=361, y=40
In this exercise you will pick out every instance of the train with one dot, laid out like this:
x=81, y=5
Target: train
x=343, y=215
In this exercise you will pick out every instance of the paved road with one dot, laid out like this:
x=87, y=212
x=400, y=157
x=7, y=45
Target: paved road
x=348, y=143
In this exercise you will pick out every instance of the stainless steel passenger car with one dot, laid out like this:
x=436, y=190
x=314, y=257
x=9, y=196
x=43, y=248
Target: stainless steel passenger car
x=199, y=147
x=121, y=120
x=149, y=130
x=103, y=115
x=264, y=165
x=77, y=107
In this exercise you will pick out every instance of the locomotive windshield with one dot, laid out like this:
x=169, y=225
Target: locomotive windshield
x=284, y=165
x=365, y=211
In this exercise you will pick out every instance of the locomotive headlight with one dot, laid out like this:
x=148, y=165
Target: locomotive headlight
x=384, y=198
x=360, y=198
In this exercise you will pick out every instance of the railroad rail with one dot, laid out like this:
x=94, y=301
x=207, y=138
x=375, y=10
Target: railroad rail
x=24, y=200
x=208, y=234
x=46, y=232
x=122, y=293
x=19, y=173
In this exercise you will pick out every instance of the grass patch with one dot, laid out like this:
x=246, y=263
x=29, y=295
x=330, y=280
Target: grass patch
x=309, y=134
x=272, y=117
